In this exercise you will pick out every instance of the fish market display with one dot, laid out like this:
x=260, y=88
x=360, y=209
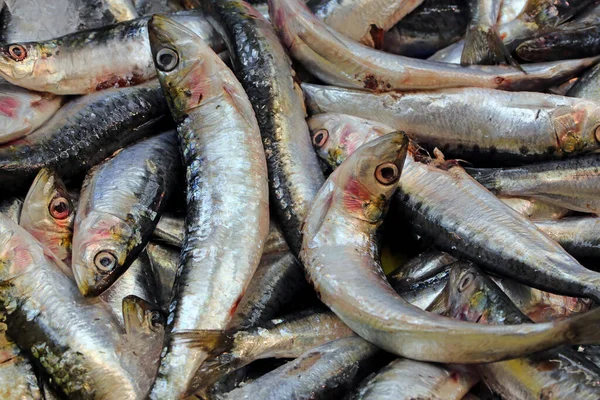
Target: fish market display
x=299, y=199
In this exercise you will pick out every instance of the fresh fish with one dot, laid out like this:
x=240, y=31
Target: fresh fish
x=573, y=184
x=580, y=236
x=164, y=261
x=588, y=86
x=117, y=212
x=422, y=293
x=265, y=71
x=22, y=111
x=48, y=213
x=425, y=265
x=475, y=123
x=552, y=374
x=404, y=379
x=119, y=56
x=535, y=210
x=170, y=230
x=340, y=61
x=450, y=54
x=325, y=372
x=510, y=10
x=67, y=334
x=289, y=337
x=17, y=380
x=432, y=26
x=346, y=214
x=278, y=281
x=227, y=219
x=362, y=21
x=12, y=207
x=117, y=117
x=483, y=44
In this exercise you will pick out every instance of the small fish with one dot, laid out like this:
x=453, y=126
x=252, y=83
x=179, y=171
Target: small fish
x=535, y=210
x=580, y=236
x=588, y=86
x=164, y=261
x=404, y=379
x=117, y=212
x=23, y=111
x=573, y=184
x=324, y=372
x=170, y=230
x=17, y=379
x=11, y=208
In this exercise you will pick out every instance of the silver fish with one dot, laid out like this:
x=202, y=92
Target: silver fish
x=170, y=229
x=535, y=210
x=580, y=236
x=17, y=380
x=164, y=261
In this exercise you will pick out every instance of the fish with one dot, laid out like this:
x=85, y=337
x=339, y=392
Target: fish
x=423, y=293
x=483, y=44
x=288, y=337
x=324, y=372
x=226, y=224
x=277, y=283
x=588, y=86
x=65, y=144
x=404, y=379
x=535, y=210
x=432, y=26
x=11, y=208
x=557, y=374
x=48, y=213
x=62, y=331
x=578, y=234
x=474, y=123
x=70, y=65
x=342, y=62
x=265, y=71
x=164, y=261
x=425, y=265
x=23, y=111
x=17, y=379
x=170, y=230
x=362, y=21
x=572, y=183
x=117, y=212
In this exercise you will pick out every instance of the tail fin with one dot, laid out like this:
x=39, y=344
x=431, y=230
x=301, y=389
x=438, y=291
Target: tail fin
x=485, y=176
x=583, y=328
x=483, y=45
x=213, y=342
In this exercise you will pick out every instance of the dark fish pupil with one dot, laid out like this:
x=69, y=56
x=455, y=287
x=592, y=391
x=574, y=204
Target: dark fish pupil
x=60, y=207
x=17, y=51
x=319, y=137
x=387, y=173
x=105, y=261
x=166, y=59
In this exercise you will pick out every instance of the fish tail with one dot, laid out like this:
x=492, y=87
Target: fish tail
x=485, y=176
x=583, y=328
x=213, y=342
x=483, y=45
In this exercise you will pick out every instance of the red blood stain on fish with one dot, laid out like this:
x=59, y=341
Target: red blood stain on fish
x=8, y=106
x=371, y=82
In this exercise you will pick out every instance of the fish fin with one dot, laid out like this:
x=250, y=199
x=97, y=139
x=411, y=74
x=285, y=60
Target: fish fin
x=141, y=316
x=583, y=328
x=212, y=341
x=484, y=46
x=485, y=176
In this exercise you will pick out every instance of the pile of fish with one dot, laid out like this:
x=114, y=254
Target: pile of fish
x=352, y=199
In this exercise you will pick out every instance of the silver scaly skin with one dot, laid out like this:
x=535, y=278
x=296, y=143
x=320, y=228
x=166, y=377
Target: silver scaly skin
x=117, y=212
x=580, y=236
x=170, y=230
x=77, y=341
x=363, y=21
x=88, y=61
x=475, y=123
x=17, y=380
x=340, y=61
x=227, y=218
x=535, y=210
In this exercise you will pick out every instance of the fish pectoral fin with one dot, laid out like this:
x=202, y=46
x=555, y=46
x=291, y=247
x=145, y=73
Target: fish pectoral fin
x=484, y=46
x=213, y=342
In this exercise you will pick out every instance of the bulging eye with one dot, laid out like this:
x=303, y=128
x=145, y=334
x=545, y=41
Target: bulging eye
x=17, y=52
x=167, y=59
x=156, y=320
x=320, y=137
x=105, y=261
x=465, y=281
x=59, y=208
x=387, y=173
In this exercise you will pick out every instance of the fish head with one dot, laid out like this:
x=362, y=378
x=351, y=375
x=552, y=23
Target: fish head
x=577, y=127
x=102, y=248
x=48, y=213
x=369, y=177
x=142, y=317
x=18, y=61
x=182, y=66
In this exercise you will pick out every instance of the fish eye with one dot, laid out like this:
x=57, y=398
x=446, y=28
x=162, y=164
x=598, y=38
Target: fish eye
x=387, y=173
x=320, y=137
x=155, y=320
x=105, y=261
x=465, y=281
x=597, y=133
x=59, y=208
x=17, y=52
x=167, y=59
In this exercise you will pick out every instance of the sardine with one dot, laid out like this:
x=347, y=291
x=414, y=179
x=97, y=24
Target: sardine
x=475, y=123
x=535, y=210
x=12, y=207
x=265, y=71
x=117, y=212
x=325, y=372
x=88, y=61
x=170, y=229
x=363, y=21
x=116, y=117
x=553, y=374
x=22, y=111
x=425, y=265
x=340, y=61
x=17, y=379
x=404, y=379
x=67, y=334
x=164, y=261
x=588, y=86
x=227, y=219
x=573, y=184
x=580, y=236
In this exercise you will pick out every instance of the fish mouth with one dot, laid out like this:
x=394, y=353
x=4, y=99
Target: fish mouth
x=90, y=283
